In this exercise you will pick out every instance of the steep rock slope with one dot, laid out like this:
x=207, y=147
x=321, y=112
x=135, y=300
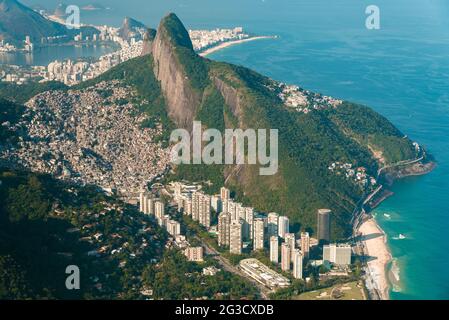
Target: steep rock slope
x=18, y=21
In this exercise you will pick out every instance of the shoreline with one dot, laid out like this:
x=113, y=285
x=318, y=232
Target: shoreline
x=227, y=44
x=373, y=240
x=378, y=257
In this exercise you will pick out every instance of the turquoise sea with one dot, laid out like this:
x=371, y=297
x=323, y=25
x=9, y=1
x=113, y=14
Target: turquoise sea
x=43, y=56
x=401, y=70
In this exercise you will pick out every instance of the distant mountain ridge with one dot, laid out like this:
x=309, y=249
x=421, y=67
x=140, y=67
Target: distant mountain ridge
x=18, y=21
x=129, y=27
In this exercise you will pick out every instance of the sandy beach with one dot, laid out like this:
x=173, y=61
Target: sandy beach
x=231, y=43
x=375, y=246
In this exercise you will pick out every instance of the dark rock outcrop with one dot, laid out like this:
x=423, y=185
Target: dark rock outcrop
x=182, y=100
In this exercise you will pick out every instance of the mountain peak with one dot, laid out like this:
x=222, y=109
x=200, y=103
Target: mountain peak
x=174, y=29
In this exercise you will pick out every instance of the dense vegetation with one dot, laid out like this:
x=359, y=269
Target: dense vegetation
x=176, y=278
x=46, y=225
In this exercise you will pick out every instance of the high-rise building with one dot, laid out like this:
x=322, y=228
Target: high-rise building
x=286, y=259
x=145, y=203
x=173, y=228
x=235, y=241
x=201, y=208
x=305, y=244
x=241, y=214
x=274, y=249
x=339, y=254
x=273, y=219
x=159, y=209
x=232, y=209
x=283, y=226
x=250, y=222
x=216, y=204
x=225, y=205
x=194, y=254
x=150, y=206
x=258, y=242
x=196, y=196
x=290, y=239
x=204, y=213
x=297, y=264
x=141, y=201
x=224, y=224
x=323, y=226
x=225, y=194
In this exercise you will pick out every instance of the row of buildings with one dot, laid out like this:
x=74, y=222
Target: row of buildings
x=238, y=226
x=28, y=46
x=202, y=39
x=71, y=73
x=155, y=207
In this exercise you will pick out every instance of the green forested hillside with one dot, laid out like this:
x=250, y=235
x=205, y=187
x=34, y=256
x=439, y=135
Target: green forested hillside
x=46, y=225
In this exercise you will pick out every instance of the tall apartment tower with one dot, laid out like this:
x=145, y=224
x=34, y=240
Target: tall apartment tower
x=225, y=194
x=225, y=205
x=297, y=264
x=274, y=249
x=273, y=220
x=235, y=241
x=249, y=218
x=224, y=224
x=150, y=206
x=232, y=209
x=173, y=228
x=283, y=226
x=141, y=201
x=258, y=234
x=305, y=244
x=290, y=239
x=286, y=259
x=145, y=203
x=159, y=209
x=204, y=210
x=196, y=196
x=323, y=225
x=216, y=204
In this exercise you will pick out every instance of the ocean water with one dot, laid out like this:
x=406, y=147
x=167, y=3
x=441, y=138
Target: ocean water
x=43, y=56
x=401, y=71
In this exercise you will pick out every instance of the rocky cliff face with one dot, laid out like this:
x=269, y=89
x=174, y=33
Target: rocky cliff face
x=148, y=40
x=182, y=100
